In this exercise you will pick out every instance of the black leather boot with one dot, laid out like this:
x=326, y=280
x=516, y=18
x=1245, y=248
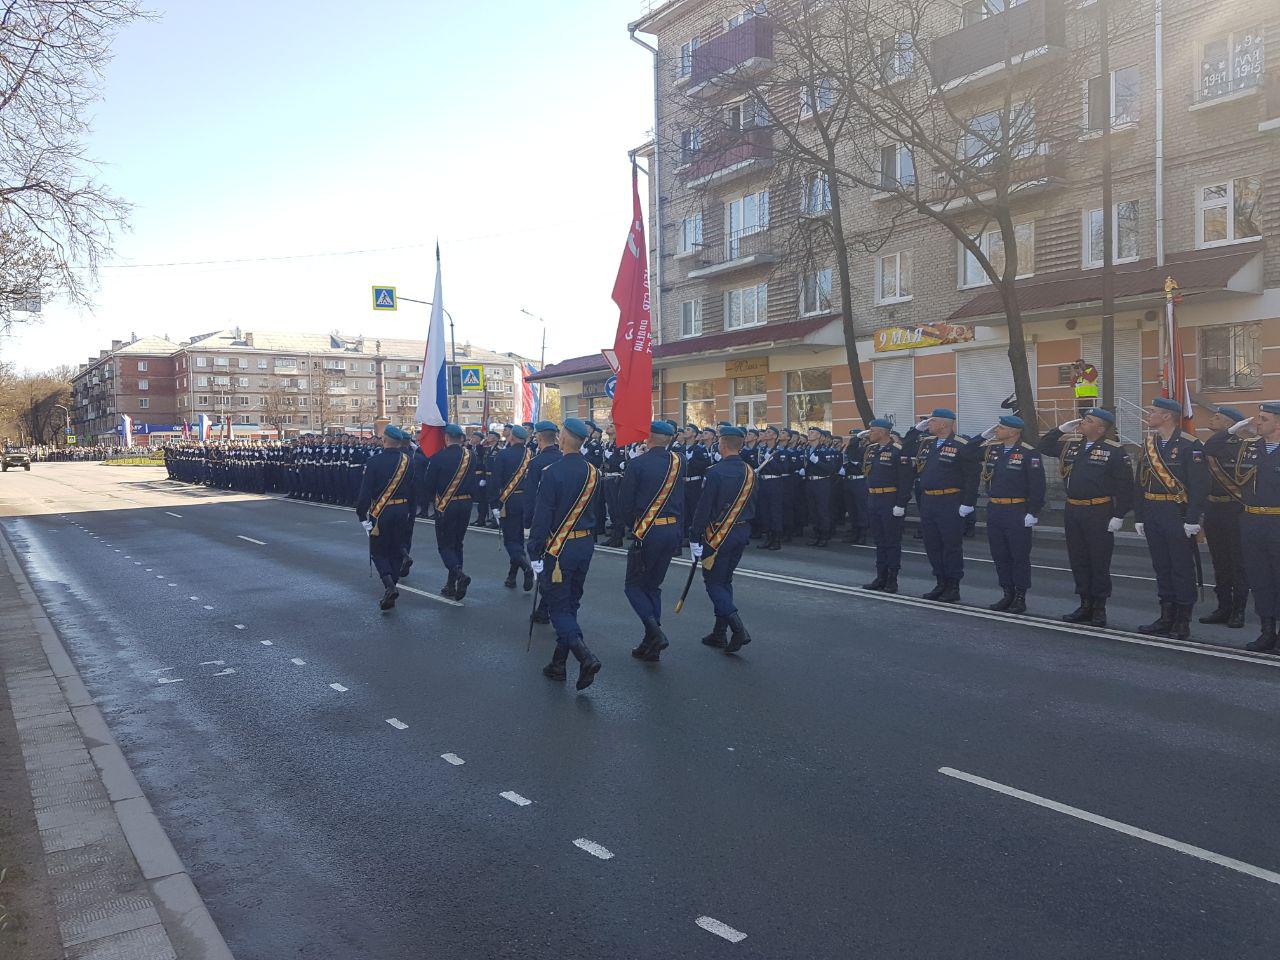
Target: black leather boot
x=717, y=637
x=510, y=582
x=939, y=589
x=447, y=590
x=654, y=642
x=1019, y=604
x=1004, y=602
x=1266, y=641
x=1240, y=604
x=891, y=582
x=1098, y=612
x=1081, y=613
x=950, y=592
x=588, y=665
x=1180, y=629
x=882, y=577
x=528, y=575
x=740, y=638
x=540, y=615
x=405, y=567
x=1220, y=615
x=390, y=594
x=460, y=584
x=555, y=669
x=1160, y=626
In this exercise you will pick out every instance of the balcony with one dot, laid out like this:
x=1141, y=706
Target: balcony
x=747, y=248
x=983, y=52
x=729, y=154
x=1271, y=88
x=337, y=391
x=743, y=52
x=1040, y=171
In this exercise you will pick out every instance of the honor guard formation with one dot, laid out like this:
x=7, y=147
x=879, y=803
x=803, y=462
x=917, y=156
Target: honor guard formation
x=553, y=490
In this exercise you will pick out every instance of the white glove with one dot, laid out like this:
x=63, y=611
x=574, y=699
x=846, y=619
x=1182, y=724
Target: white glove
x=813, y=458
x=497, y=514
x=526, y=533
x=368, y=525
x=965, y=511
x=1240, y=425
x=1114, y=524
x=1030, y=520
x=1191, y=529
x=1141, y=529
x=537, y=567
x=863, y=434
x=482, y=483
x=1070, y=425
x=988, y=433
x=800, y=472
x=923, y=425
x=899, y=511
x=696, y=550
x=842, y=471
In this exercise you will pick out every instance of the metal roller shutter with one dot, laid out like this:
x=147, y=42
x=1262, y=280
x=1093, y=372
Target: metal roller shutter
x=983, y=381
x=893, y=390
x=1128, y=374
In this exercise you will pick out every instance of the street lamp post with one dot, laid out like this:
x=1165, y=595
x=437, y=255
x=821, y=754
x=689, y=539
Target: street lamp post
x=67, y=413
x=453, y=350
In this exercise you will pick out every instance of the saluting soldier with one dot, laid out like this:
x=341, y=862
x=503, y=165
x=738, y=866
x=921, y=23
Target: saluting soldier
x=1257, y=471
x=510, y=473
x=1172, y=484
x=948, y=471
x=890, y=476
x=652, y=504
x=561, y=543
x=1099, y=486
x=1222, y=513
x=722, y=528
x=384, y=506
x=1013, y=474
x=450, y=485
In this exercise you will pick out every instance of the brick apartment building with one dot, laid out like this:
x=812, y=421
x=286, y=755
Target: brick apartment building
x=747, y=336
x=271, y=383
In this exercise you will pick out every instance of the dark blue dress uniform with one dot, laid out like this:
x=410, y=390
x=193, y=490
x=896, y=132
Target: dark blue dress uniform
x=1099, y=487
x=697, y=461
x=821, y=467
x=509, y=479
x=793, y=455
x=450, y=486
x=541, y=460
x=853, y=472
x=562, y=538
x=1172, y=485
x=947, y=468
x=652, y=507
x=1256, y=469
x=1015, y=483
x=723, y=526
x=386, y=498
x=1222, y=513
x=771, y=471
x=890, y=477
x=482, y=457
x=615, y=463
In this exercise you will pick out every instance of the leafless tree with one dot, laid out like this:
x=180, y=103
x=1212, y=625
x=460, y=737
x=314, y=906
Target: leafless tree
x=56, y=218
x=29, y=403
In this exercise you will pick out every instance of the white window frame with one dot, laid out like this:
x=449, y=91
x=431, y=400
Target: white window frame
x=1086, y=235
x=1231, y=83
x=986, y=249
x=742, y=16
x=760, y=221
x=899, y=257
x=897, y=56
x=262, y=363
x=690, y=318
x=202, y=381
x=1118, y=122
x=817, y=185
x=1230, y=203
x=142, y=366
x=900, y=150
x=222, y=361
x=144, y=403
x=690, y=239
x=144, y=384
x=819, y=283
x=244, y=401
x=824, y=96
x=758, y=294
x=202, y=361
x=686, y=56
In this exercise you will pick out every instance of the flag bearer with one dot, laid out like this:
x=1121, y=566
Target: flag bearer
x=450, y=484
x=1014, y=477
x=510, y=473
x=1222, y=513
x=948, y=470
x=384, y=506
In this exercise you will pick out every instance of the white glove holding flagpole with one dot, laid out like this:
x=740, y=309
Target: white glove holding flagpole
x=537, y=567
x=965, y=511
x=368, y=525
x=696, y=550
x=1191, y=529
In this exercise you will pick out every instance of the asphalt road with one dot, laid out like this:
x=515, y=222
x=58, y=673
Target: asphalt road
x=871, y=778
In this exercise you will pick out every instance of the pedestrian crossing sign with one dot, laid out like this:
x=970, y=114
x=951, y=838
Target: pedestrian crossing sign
x=473, y=378
x=384, y=298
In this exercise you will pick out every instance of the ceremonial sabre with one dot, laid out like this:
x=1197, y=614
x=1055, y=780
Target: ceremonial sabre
x=1195, y=549
x=532, y=613
x=693, y=568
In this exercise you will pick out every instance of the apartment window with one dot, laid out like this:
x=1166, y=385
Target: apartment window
x=992, y=243
x=244, y=401
x=262, y=401
x=373, y=368
x=691, y=318
x=415, y=368
x=686, y=56
x=202, y=381
x=221, y=362
x=818, y=97
x=144, y=403
x=1126, y=86
x=242, y=381
x=202, y=361
x=815, y=200
x=1231, y=357
x=404, y=368
x=897, y=168
x=815, y=292
x=242, y=363
x=335, y=365
x=182, y=403
x=286, y=361
x=738, y=19
x=286, y=419
x=989, y=136
x=355, y=402
x=745, y=114
x=142, y=366
x=1230, y=63
x=222, y=381
x=699, y=402
x=144, y=384
x=202, y=401
x=747, y=307
x=1230, y=211
x=975, y=11
x=809, y=399
x=1124, y=227
x=893, y=277
x=745, y=216
x=690, y=143
x=302, y=401
x=262, y=363
x=897, y=56
x=690, y=233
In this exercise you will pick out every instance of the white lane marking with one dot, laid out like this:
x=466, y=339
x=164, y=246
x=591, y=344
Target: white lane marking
x=195, y=598
x=172, y=514
x=397, y=724
x=214, y=663
x=453, y=758
x=1199, y=853
x=169, y=680
x=159, y=576
x=265, y=643
x=172, y=584
x=225, y=673
x=239, y=626
x=137, y=563
x=206, y=606
x=162, y=670
x=593, y=848
x=298, y=662
x=712, y=925
x=433, y=596
x=149, y=569
x=117, y=549
x=260, y=543
x=515, y=798
x=337, y=686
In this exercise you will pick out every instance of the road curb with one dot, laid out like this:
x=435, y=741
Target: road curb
x=167, y=917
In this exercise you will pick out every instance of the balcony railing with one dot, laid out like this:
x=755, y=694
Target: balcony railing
x=982, y=49
x=1040, y=170
x=743, y=50
x=729, y=151
x=749, y=247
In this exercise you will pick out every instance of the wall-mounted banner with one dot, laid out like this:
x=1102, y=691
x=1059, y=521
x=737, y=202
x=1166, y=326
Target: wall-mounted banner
x=924, y=335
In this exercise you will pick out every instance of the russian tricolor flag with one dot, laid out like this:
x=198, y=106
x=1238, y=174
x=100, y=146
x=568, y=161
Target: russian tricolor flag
x=433, y=394
x=126, y=429
x=203, y=424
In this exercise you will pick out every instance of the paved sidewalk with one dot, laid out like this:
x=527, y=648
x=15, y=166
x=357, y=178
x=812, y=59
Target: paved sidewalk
x=120, y=891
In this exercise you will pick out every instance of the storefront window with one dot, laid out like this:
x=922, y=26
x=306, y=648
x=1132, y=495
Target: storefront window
x=700, y=403
x=601, y=411
x=809, y=399
x=750, y=402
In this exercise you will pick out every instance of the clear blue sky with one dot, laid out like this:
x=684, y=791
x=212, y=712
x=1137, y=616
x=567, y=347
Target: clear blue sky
x=246, y=129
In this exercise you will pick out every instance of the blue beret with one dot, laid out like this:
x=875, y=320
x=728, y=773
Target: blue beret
x=1167, y=403
x=1009, y=420
x=453, y=430
x=688, y=426
x=520, y=433
x=577, y=428
x=395, y=433
x=1230, y=413
x=591, y=424
x=943, y=413
x=544, y=426
x=882, y=423
x=1273, y=408
x=729, y=430
x=662, y=428
x=1102, y=413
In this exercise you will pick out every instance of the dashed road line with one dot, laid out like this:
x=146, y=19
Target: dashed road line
x=712, y=925
x=214, y=663
x=207, y=607
x=452, y=758
x=239, y=626
x=433, y=596
x=169, y=680
x=337, y=686
x=260, y=543
x=298, y=662
x=172, y=514
x=265, y=643
x=515, y=798
x=398, y=724
x=593, y=848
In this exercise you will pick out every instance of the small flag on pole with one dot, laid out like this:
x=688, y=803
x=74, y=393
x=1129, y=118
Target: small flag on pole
x=433, y=394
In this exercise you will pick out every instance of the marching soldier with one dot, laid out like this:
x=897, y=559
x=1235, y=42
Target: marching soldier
x=890, y=475
x=450, y=486
x=1222, y=513
x=561, y=543
x=1099, y=486
x=385, y=506
x=1172, y=483
x=510, y=471
x=652, y=503
x=546, y=453
x=948, y=471
x=722, y=528
x=1256, y=470
x=1014, y=477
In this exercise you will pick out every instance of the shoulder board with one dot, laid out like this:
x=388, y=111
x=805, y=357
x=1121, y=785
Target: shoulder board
x=960, y=438
x=1072, y=436
x=1189, y=436
x=1113, y=443
x=1026, y=446
x=990, y=443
